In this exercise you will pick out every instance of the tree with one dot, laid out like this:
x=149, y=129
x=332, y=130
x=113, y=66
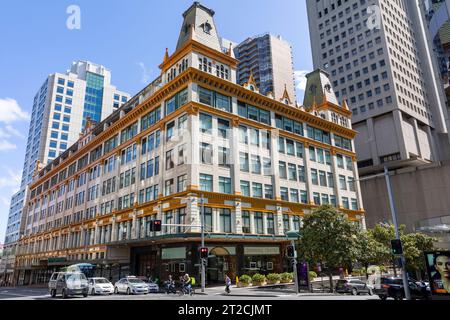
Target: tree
x=369, y=250
x=414, y=244
x=328, y=237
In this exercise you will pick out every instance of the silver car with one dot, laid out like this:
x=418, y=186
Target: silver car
x=131, y=285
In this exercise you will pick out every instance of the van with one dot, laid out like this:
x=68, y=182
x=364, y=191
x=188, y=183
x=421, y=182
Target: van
x=68, y=284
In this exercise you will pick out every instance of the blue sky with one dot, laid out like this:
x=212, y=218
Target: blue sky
x=128, y=37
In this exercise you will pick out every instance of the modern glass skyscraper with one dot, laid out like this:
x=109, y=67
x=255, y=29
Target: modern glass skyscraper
x=60, y=109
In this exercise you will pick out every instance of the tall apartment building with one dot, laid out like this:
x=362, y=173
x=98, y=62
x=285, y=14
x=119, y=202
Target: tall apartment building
x=261, y=164
x=60, y=109
x=269, y=59
x=379, y=56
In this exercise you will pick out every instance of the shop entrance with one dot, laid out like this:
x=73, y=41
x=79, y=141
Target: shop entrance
x=219, y=263
x=146, y=264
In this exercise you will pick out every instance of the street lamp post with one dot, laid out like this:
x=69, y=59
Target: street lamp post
x=394, y=218
x=397, y=234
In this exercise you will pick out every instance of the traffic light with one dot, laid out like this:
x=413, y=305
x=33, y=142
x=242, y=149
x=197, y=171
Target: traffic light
x=396, y=245
x=203, y=252
x=155, y=225
x=290, y=252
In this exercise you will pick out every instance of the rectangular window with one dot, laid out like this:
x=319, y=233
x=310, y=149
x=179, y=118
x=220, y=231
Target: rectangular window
x=225, y=220
x=225, y=185
x=245, y=188
x=206, y=182
x=257, y=190
x=268, y=191
x=205, y=123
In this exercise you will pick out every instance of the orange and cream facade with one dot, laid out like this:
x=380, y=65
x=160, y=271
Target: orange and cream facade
x=260, y=162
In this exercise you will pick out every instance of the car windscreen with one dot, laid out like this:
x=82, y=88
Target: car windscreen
x=75, y=277
x=136, y=281
x=101, y=281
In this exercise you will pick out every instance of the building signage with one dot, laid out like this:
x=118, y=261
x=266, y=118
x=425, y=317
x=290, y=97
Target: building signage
x=303, y=275
x=173, y=253
x=261, y=251
x=438, y=268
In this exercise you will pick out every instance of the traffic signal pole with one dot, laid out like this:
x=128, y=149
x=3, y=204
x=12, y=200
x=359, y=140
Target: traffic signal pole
x=295, y=267
x=397, y=233
x=202, y=260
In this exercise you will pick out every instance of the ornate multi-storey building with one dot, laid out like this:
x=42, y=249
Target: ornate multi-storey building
x=260, y=162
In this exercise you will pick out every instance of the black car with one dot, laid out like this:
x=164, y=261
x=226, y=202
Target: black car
x=392, y=287
x=353, y=286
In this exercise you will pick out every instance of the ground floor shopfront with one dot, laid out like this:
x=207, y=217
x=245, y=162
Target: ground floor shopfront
x=176, y=256
x=225, y=258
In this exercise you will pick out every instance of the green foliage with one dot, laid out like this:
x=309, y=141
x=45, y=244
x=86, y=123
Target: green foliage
x=369, y=250
x=258, y=278
x=274, y=277
x=414, y=244
x=312, y=275
x=245, y=279
x=287, y=276
x=328, y=237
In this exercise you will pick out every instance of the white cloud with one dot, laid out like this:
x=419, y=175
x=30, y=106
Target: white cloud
x=10, y=111
x=10, y=179
x=145, y=73
x=6, y=145
x=300, y=79
x=13, y=131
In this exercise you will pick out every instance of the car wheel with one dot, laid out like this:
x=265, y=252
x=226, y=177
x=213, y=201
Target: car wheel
x=128, y=291
x=93, y=292
x=64, y=294
x=398, y=296
x=354, y=291
x=53, y=293
x=382, y=297
x=85, y=295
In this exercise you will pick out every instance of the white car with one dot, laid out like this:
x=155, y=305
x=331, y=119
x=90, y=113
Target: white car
x=152, y=287
x=100, y=286
x=131, y=285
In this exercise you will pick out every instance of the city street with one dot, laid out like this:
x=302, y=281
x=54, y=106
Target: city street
x=215, y=293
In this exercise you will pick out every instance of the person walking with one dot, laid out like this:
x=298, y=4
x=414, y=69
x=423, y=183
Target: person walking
x=227, y=284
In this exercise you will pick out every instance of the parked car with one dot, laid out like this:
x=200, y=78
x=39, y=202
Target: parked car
x=353, y=286
x=392, y=287
x=100, y=286
x=68, y=284
x=152, y=285
x=131, y=285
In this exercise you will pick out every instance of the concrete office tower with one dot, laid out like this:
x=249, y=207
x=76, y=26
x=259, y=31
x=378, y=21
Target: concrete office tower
x=379, y=57
x=261, y=164
x=60, y=109
x=269, y=58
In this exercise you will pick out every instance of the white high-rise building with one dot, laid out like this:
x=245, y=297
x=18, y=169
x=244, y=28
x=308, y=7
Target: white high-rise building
x=379, y=58
x=60, y=109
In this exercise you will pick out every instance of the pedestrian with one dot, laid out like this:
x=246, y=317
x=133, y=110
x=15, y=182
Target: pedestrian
x=227, y=284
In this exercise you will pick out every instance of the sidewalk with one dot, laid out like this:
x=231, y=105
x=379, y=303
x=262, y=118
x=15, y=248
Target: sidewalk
x=261, y=292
